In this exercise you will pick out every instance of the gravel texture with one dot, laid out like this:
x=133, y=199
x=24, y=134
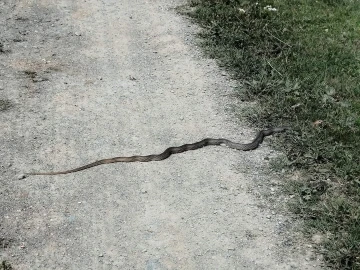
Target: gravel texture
x=91, y=79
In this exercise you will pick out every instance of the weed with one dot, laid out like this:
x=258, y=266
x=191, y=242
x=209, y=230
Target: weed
x=5, y=266
x=30, y=73
x=5, y=104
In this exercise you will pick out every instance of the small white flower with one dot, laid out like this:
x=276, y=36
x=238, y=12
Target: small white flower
x=241, y=10
x=270, y=8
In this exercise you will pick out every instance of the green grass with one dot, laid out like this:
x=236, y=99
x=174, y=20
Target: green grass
x=5, y=266
x=302, y=64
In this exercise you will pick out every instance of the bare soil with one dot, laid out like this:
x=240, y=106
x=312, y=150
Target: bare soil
x=89, y=79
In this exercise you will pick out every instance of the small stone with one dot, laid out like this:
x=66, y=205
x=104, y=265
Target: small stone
x=223, y=187
x=40, y=79
x=101, y=255
x=77, y=34
x=21, y=176
x=317, y=238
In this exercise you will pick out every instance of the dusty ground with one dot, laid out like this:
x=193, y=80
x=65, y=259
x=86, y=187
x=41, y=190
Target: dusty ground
x=94, y=79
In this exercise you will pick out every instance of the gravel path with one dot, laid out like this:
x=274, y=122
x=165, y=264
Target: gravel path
x=95, y=79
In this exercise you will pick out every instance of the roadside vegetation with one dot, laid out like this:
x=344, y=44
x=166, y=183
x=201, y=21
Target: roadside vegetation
x=300, y=60
x=5, y=266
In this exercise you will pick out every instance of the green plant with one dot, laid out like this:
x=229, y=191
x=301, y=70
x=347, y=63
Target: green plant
x=5, y=266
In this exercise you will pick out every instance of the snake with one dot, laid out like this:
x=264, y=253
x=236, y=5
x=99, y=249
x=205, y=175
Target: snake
x=176, y=150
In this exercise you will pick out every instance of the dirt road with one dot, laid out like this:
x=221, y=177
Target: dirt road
x=95, y=79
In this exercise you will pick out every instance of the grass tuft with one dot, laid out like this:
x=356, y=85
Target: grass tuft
x=300, y=60
x=5, y=266
x=5, y=104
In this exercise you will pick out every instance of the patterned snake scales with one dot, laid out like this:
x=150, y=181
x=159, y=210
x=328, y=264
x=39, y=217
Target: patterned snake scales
x=175, y=150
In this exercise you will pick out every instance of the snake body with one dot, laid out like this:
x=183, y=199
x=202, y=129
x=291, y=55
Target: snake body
x=176, y=150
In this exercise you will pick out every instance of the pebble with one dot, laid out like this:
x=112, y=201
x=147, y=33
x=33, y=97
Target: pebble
x=21, y=176
x=223, y=187
x=317, y=238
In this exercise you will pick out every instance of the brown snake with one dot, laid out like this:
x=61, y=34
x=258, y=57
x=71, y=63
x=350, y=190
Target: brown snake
x=175, y=150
